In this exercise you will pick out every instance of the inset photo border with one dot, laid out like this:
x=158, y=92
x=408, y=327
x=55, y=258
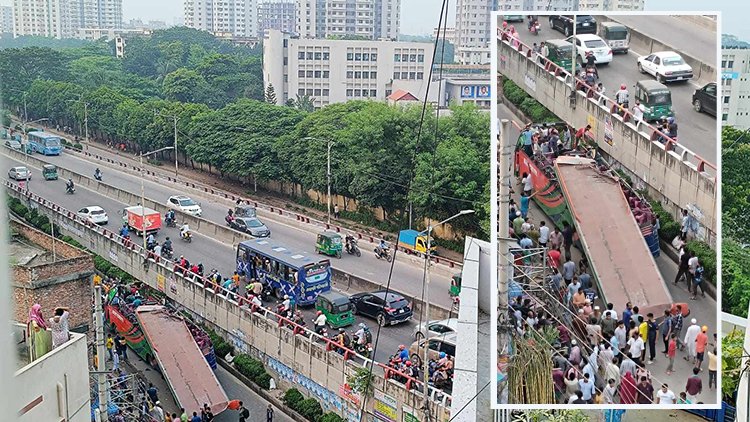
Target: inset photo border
x=606, y=210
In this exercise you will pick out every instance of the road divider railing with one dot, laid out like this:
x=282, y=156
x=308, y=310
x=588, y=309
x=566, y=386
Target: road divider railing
x=231, y=198
x=670, y=170
x=271, y=334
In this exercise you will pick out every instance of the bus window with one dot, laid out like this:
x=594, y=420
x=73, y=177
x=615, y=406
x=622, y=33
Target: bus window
x=294, y=278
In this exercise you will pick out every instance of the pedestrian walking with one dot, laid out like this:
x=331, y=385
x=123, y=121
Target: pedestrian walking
x=690, y=335
x=336, y=211
x=665, y=329
x=543, y=234
x=698, y=281
x=567, y=233
x=527, y=184
x=653, y=329
x=244, y=413
x=665, y=395
x=701, y=341
x=677, y=321
x=269, y=413
x=712, y=367
x=671, y=352
x=555, y=239
x=645, y=391
x=682, y=269
x=684, y=225
x=694, y=386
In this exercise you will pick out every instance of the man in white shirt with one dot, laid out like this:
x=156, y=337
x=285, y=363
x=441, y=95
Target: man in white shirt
x=637, y=111
x=622, y=335
x=636, y=347
x=690, y=335
x=609, y=392
x=543, y=234
x=685, y=224
x=527, y=184
x=665, y=395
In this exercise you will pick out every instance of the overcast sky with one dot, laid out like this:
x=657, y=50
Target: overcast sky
x=421, y=16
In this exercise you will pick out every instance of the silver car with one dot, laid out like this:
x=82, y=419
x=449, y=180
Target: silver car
x=19, y=173
x=436, y=328
x=13, y=144
x=251, y=225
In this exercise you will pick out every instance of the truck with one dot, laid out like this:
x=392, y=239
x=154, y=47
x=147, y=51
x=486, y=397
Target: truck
x=136, y=216
x=414, y=241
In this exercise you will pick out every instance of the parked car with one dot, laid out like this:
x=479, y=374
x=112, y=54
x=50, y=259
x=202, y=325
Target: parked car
x=436, y=328
x=704, y=99
x=591, y=43
x=513, y=18
x=94, y=214
x=19, y=173
x=388, y=309
x=435, y=345
x=585, y=24
x=185, y=204
x=250, y=225
x=665, y=66
x=13, y=144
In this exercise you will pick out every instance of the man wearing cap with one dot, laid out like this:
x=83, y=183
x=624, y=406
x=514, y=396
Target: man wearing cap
x=701, y=341
x=575, y=353
x=690, y=335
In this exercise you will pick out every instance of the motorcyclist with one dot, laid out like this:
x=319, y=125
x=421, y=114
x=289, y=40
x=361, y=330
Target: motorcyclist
x=150, y=241
x=255, y=301
x=167, y=246
x=622, y=96
x=402, y=355
x=382, y=248
x=320, y=322
x=343, y=339
x=125, y=232
x=230, y=217
x=361, y=334
x=287, y=303
x=97, y=174
x=531, y=21
x=69, y=185
x=349, y=242
x=169, y=217
x=671, y=127
x=185, y=230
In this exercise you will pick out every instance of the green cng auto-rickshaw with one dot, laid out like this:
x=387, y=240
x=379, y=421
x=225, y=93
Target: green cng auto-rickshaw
x=336, y=307
x=49, y=172
x=561, y=54
x=655, y=98
x=616, y=35
x=329, y=243
x=455, y=285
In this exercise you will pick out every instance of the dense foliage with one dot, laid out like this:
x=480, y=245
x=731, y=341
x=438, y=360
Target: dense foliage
x=735, y=228
x=731, y=363
x=529, y=106
x=381, y=156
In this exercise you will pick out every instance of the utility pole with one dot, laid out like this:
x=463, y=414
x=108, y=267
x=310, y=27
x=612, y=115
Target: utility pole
x=101, y=375
x=175, y=118
x=328, y=176
x=86, y=121
x=505, y=150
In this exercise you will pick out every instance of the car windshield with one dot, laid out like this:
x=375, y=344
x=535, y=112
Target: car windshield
x=97, y=212
x=672, y=61
x=253, y=223
x=660, y=98
x=595, y=44
x=584, y=18
x=21, y=170
x=187, y=202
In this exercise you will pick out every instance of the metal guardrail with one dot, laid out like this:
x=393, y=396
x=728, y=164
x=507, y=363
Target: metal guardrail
x=437, y=395
x=701, y=165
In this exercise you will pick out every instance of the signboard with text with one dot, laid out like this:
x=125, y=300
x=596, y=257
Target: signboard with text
x=385, y=407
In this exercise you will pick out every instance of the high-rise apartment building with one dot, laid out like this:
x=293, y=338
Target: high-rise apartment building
x=63, y=18
x=473, y=24
x=735, y=87
x=276, y=14
x=370, y=19
x=6, y=19
x=335, y=71
x=239, y=18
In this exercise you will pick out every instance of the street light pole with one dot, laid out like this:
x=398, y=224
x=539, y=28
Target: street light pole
x=86, y=121
x=428, y=276
x=328, y=176
x=175, y=118
x=143, y=195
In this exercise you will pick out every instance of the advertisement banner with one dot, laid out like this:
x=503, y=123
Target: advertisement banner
x=467, y=92
x=609, y=130
x=346, y=392
x=483, y=91
x=385, y=407
x=160, y=282
x=409, y=414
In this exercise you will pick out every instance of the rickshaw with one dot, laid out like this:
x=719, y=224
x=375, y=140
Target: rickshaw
x=655, y=98
x=245, y=211
x=455, y=285
x=329, y=243
x=616, y=35
x=336, y=307
x=49, y=171
x=561, y=54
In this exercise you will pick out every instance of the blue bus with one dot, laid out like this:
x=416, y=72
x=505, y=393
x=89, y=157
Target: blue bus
x=45, y=143
x=287, y=272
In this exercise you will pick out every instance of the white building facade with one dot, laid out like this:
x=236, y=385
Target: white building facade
x=335, y=71
x=276, y=14
x=236, y=17
x=369, y=19
x=473, y=24
x=6, y=19
x=735, y=87
x=64, y=18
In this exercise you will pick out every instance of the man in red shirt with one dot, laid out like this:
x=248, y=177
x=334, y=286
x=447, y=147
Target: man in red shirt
x=694, y=386
x=700, y=347
x=554, y=258
x=581, y=134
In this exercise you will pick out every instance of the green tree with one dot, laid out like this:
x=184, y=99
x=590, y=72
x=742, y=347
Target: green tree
x=188, y=86
x=305, y=103
x=270, y=94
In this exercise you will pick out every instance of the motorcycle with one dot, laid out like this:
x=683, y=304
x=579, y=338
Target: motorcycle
x=383, y=253
x=70, y=189
x=170, y=222
x=362, y=349
x=352, y=248
x=187, y=237
x=98, y=176
x=535, y=27
x=167, y=253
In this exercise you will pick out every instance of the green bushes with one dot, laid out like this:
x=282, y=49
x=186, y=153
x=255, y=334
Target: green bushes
x=77, y=146
x=292, y=398
x=530, y=107
x=309, y=408
x=330, y=417
x=221, y=347
x=669, y=228
x=253, y=369
x=707, y=257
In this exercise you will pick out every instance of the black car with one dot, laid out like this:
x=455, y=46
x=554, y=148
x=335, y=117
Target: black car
x=250, y=225
x=585, y=24
x=704, y=99
x=387, y=310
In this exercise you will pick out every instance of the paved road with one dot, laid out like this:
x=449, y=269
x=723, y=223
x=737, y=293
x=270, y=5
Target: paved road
x=214, y=254
x=703, y=310
x=697, y=131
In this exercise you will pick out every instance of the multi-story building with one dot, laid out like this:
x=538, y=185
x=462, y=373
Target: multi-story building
x=63, y=18
x=735, y=87
x=473, y=24
x=276, y=14
x=6, y=19
x=448, y=33
x=334, y=71
x=369, y=19
x=236, y=17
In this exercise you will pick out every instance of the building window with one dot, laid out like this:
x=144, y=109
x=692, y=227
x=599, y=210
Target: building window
x=404, y=57
x=349, y=74
x=301, y=55
x=300, y=73
x=286, y=61
x=404, y=75
x=724, y=117
x=420, y=58
x=723, y=64
x=317, y=92
x=396, y=57
x=309, y=55
x=357, y=92
x=326, y=55
x=309, y=73
x=358, y=57
x=374, y=57
x=357, y=75
x=412, y=75
x=373, y=75
x=364, y=92
x=366, y=57
x=317, y=55
x=726, y=100
x=309, y=92
x=325, y=92
x=301, y=92
x=286, y=43
x=325, y=74
x=730, y=64
x=350, y=56
x=373, y=92
x=388, y=92
x=349, y=92
x=396, y=75
x=412, y=57
x=420, y=75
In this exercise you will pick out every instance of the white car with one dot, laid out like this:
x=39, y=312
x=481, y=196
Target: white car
x=665, y=66
x=19, y=173
x=436, y=328
x=94, y=214
x=185, y=204
x=593, y=43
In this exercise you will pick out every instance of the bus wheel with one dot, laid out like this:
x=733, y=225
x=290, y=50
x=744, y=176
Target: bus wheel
x=278, y=293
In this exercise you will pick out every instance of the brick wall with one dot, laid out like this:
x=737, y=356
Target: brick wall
x=65, y=283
